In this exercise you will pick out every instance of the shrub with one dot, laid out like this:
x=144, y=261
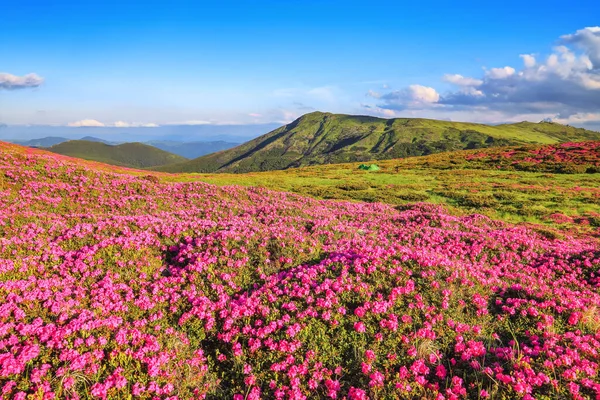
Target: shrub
x=572, y=168
x=351, y=186
x=412, y=196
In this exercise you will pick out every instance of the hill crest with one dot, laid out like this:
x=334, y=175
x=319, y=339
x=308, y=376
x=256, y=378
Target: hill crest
x=326, y=138
x=132, y=155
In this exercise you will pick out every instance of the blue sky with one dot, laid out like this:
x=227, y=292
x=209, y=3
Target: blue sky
x=124, y=63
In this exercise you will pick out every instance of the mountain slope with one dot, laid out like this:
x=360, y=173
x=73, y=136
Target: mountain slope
x=191, y=149
x=134, y=155
x=42, y=142
x=95, y=139
x=548, y=185
x=324, y=138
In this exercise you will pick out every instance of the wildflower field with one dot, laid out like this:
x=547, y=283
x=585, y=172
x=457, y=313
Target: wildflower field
x=550, y=186
x=118, y=285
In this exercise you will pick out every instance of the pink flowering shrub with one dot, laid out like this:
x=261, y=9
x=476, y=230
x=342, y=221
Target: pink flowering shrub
x=116, y=286
x=576, y=157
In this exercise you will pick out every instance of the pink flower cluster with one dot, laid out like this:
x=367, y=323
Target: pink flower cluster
x=564, y=154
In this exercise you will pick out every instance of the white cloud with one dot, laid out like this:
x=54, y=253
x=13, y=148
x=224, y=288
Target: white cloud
x=500, y=73
x=460, y=80
x=379, y=112
x=587, y=39
x=13, y=82
x=566, y=82
x=86, y=123
x=384, y=112
x=578, y=119
x=423, y=94
x=528, y=60
x=412, y=97
x=123, y=124
x=119, y=124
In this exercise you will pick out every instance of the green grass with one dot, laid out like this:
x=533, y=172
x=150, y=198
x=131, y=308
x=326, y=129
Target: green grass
x=132, y=155
x=323, y=138
x=510, y=195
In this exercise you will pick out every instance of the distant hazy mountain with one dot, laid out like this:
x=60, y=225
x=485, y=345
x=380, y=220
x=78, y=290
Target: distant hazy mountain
x=177, y=133
x=41, y=142
x=134, y=155
x=95, y=139
x=191, y=149
x=325, y=138
x=185, y=149
x=54, y=140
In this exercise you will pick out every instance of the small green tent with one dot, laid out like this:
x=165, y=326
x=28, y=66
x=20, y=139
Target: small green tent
x=372, y=167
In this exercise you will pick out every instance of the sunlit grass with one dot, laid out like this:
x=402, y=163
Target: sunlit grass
x=514, y=196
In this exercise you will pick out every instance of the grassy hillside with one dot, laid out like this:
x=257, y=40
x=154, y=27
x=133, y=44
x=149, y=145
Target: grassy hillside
x=42, y=142
x=192, y=149
x=324, y=138
x=95, y=139
x=134, y=155
x=554, y=185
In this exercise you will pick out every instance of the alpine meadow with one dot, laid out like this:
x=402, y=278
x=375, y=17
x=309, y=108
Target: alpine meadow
x=300, y=200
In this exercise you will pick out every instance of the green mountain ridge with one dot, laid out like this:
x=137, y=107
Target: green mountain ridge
x=192, y=149
x=41, y=142
x=325, y=138
x=133, y=155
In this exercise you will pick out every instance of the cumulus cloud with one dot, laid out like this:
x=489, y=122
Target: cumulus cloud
x=460, y=80
x=528, y=60
x=86, y=123
x=565, y=83
x=578, y=119
x=123, y=124
x=423, y=94
x=414, y=96
x=380, y=112
x=500, y=73
x=92, y=123
x=13, y=82
x=588, y=40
